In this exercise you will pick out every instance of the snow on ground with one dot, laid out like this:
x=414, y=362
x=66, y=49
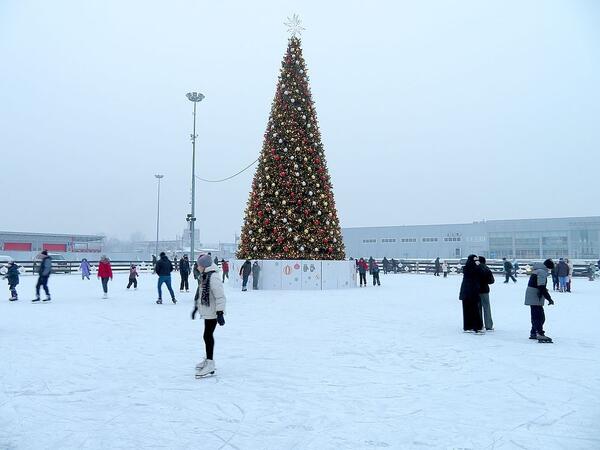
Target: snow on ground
x=384, y=367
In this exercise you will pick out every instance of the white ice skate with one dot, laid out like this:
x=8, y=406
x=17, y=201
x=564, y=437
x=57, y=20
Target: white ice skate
x=105, y=296
x=207, y=370
x=201, y=364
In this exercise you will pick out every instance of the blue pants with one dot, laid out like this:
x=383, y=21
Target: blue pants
x=167, y=280
x=563, y=283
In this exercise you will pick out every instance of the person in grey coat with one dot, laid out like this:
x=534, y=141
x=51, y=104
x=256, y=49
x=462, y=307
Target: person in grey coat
x=44, y=273
x=255, y=275
x=535, y=295
x=245, y=272
x=486, y=278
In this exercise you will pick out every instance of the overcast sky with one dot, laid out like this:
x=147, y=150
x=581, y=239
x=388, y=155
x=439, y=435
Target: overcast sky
x=430, y=111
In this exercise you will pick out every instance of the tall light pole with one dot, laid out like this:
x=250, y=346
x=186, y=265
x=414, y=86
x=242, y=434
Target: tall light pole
x=158, y=177
x=194, y=97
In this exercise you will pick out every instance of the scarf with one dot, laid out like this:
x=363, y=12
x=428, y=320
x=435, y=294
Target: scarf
x=205, y=296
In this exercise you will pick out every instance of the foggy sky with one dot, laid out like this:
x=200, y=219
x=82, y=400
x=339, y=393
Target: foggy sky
x=430, y=111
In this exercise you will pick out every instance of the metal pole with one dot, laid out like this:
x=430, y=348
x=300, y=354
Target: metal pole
x=193, y=218
x=158, y=177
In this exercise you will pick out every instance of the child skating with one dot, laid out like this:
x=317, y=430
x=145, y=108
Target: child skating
x=105, y=274
x=133, y=274
x=12, y=276
x=210, y=305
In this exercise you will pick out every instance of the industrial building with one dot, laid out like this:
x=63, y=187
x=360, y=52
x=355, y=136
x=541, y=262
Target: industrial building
x=24, y=246
x=573, y=237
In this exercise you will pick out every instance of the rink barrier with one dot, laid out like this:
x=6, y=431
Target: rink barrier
x=427, y=266
x=406, y=266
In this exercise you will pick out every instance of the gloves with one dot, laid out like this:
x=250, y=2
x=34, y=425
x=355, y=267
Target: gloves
x=550, y=301
x=220, y=318
x=194, y=311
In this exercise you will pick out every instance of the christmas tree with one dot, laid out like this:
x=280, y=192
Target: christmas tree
x=291, y=211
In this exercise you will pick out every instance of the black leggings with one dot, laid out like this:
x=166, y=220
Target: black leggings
x=209, y=340
x=132, y=281
x=105, y=285
x=363, y=278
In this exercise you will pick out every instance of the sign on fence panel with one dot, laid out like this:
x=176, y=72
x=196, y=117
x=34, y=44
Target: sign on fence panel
x=311, y=275
x=291, y=274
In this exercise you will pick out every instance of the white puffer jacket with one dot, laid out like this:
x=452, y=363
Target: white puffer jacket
x=216, y=295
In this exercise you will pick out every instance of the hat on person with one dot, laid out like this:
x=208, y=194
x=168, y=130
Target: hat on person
x=204, y=261
x=44, y=252
x=162, y=254
x=549, y=264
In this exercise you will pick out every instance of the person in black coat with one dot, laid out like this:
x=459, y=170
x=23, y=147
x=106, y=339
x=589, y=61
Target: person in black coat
x=469, y=294
x=245, y=272
x=485, y=280
x=163, y=269
x=12, y=275
x=508, y=270
x=184, y=273
x=437, y=266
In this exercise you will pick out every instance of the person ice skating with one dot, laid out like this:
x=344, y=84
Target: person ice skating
x=85, y=268
x=245, y=272
x=225, y=269
x=44, y=272
x=163, y=270
x=371, y=262
x=362, y=271
x=375, y=274
x=386, y=265
x=562, y=271
x=591, y=272
x=105, y=274
x=469, y=294
x=445, y=269
x=535, y=295
x=255, y=275
x=216, y=261
x=437, y=267
x=395, y=266
x=486, y=278
x=154, y=261
x=515, y=268
x=555, y=282
x=209, y=304
x=195, y=271
x=184, y=273
x=12, y=276
x=133, y=274
x=570, y=276
x=508, y=268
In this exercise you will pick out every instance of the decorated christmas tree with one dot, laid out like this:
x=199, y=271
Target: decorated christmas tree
x=291, y=211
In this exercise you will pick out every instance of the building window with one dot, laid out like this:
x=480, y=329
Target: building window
x=369, y=241
x=407, y=240
x=452, y=239
x=388, y=240
x=429, y=239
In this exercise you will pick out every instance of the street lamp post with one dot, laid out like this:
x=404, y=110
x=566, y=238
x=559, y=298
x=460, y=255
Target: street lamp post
x=194, y=97
x=158, y=177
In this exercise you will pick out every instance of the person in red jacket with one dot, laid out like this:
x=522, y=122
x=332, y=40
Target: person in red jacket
x=105, y=273
x=225, y=269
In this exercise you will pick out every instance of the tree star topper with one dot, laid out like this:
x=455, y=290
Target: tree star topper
x=294, y=25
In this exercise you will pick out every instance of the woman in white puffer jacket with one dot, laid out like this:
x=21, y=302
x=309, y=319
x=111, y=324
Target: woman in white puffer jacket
x=210, y=304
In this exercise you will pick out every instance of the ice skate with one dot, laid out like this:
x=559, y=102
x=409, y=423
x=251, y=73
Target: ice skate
x=47, y=299
x=532, y=336
x=201, y=365
x=207, y=370
x=13, y=299
x=105, y=295
x=174, y=301
x=36, y=299
x=543, y=339
x=479, y=332
x=159, y=301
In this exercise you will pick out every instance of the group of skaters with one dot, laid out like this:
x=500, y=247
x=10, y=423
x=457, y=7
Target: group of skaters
x=475, y=296
x=371, y=266
x=247, y=269
x=209, y=301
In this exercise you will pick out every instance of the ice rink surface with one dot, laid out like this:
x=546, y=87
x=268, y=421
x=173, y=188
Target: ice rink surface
x=385, y=367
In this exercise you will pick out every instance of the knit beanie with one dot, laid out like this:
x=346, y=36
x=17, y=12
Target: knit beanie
x=204, y=261
x=549, y=264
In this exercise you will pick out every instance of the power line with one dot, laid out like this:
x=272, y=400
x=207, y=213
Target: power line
x=232, y=176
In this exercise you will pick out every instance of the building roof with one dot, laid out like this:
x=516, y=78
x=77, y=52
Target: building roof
x=74, y=237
